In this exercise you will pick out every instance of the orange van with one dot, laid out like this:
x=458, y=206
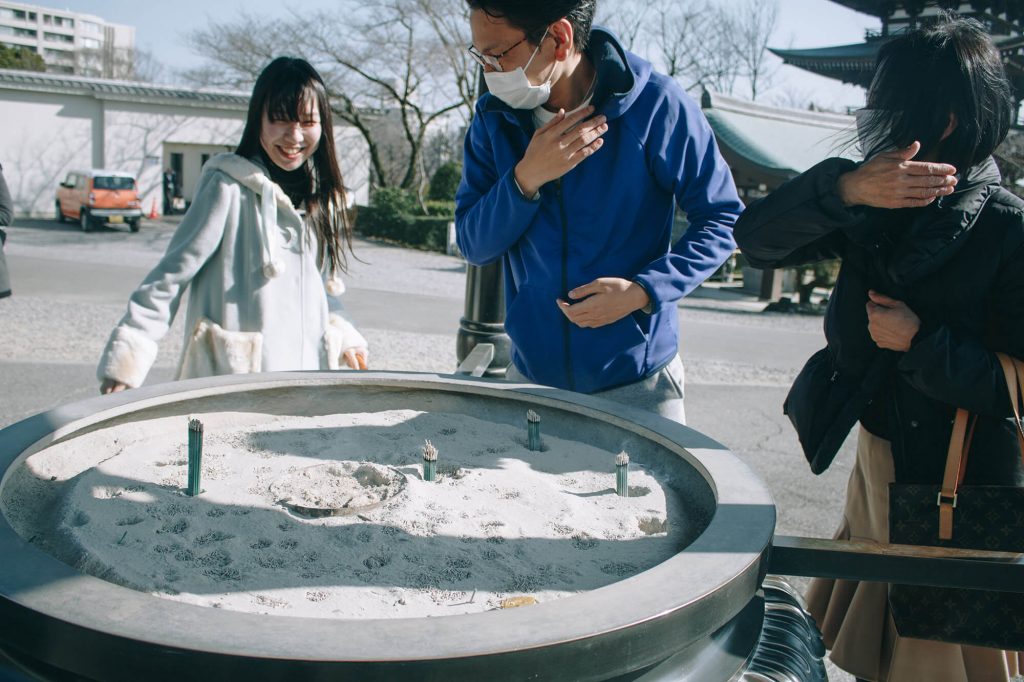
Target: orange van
x=96, y=197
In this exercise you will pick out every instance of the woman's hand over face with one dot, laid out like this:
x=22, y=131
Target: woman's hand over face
x=892, y=180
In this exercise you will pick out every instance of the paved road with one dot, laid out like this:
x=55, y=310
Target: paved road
x=70, y=289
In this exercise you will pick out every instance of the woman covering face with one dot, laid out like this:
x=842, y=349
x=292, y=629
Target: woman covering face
x=930, y=288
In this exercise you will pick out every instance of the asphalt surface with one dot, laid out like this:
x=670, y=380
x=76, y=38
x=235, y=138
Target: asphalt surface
x=70, y=289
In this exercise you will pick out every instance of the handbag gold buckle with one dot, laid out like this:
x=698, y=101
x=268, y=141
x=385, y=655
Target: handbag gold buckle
x=945, y=498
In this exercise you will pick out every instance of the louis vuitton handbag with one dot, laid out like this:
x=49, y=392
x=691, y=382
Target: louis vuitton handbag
x=985, y=517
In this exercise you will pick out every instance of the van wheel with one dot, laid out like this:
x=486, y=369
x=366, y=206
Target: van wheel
x=84, y=220
x=133, y=225
x=60, y=213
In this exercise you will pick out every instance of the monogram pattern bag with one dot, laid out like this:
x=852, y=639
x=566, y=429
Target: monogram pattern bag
x=980, y=517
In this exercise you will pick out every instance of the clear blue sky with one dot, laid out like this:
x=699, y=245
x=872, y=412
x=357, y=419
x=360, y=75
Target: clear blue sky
x=162, y=26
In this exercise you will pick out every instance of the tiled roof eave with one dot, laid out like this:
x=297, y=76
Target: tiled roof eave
x=832, y=64
x=29, y=81
x=171, y=101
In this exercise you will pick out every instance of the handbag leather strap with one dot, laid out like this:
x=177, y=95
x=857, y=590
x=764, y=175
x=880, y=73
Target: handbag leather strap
x=956, y=463
x=1013, y=369
x=960, y=443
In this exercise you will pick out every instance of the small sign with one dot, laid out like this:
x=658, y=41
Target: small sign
x=151, y=161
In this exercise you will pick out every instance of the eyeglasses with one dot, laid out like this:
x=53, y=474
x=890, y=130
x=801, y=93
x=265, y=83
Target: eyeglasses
x=489, y=60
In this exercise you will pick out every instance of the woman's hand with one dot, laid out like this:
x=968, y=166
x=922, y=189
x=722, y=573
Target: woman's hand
x=891, y=323
x=608, y=300
x=357, y=358
x=112, y=386
x=892, y=180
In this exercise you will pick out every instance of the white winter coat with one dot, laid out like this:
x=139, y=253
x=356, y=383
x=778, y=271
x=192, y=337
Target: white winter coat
x=257, y=300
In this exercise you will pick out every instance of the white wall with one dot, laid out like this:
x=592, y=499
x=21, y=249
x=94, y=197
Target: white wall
x=354, y=159
x=43, y=136
x=139, y=138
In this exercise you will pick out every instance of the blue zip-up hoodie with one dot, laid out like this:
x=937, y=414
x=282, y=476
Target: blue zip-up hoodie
x=611, y=216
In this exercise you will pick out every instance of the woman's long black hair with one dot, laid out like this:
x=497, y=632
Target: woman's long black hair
x=280, y=91
x=927, y=74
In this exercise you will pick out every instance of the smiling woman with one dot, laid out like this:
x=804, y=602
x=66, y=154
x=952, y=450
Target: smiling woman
x=275, y=206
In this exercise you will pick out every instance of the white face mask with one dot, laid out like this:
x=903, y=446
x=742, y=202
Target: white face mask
x=874, y=138
x=515, y=89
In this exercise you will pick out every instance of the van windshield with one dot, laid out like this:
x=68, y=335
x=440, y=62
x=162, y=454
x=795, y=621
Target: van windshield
x=107, y=182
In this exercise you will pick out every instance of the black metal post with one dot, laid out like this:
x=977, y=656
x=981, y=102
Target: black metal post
x=484, y=318
x=771, y=285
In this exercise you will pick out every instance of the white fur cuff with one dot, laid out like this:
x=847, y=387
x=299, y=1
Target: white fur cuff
x=340, y=336
x=351, y=337
x=128, y=357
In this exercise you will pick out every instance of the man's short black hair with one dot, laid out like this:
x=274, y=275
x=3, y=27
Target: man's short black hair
x=534, y=16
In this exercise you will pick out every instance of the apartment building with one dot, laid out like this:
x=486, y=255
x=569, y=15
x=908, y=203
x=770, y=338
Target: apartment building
x=69, y=42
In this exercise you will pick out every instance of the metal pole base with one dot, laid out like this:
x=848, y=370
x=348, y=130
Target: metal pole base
x=484, y=319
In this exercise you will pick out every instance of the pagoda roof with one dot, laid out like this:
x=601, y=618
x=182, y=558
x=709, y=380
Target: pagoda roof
x=855, y=64
x=857, y=51
x=873, y=7
x=1012, y=10
x=766, y=145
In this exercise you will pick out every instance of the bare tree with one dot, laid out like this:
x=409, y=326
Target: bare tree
x=449, y=20
x=237, y=51
x=629, y=19
x=674, y=38
x=398, y=66
x=685, y=39
x=147, y=68
x=748, y=28
x=707, y=43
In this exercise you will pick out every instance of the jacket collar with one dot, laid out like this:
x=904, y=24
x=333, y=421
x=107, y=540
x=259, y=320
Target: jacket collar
x=940, y=231
x=621, y=76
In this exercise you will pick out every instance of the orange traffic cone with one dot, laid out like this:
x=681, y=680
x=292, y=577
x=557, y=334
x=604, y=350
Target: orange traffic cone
x=152, y=211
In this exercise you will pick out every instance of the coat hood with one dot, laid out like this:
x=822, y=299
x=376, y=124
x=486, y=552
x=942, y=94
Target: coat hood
x=254, y=177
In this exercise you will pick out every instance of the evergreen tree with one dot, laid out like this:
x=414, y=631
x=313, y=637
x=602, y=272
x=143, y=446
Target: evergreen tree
x=21, y=58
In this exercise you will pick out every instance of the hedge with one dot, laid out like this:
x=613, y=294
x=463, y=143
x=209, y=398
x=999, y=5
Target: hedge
x=445, y=182
x=420, y=231
x=395, y=215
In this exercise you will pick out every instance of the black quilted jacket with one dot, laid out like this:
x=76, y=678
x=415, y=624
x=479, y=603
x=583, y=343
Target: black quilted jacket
x=958, y=264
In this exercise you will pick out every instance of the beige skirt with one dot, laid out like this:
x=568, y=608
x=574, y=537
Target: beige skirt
x=854, y=616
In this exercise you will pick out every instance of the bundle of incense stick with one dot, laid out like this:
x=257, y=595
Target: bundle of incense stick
x=622, y=474
x=195, y=456
x=429, y=461
x=533, y=430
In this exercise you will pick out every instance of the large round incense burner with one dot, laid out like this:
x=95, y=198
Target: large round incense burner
x=695, y=614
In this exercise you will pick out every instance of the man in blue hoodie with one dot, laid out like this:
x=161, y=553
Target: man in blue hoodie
x=574, y=164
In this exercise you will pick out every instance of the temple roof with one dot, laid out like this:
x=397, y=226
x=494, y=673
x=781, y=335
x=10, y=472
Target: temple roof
x=855, y=64
x=1011, y=9
x=769, y=145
